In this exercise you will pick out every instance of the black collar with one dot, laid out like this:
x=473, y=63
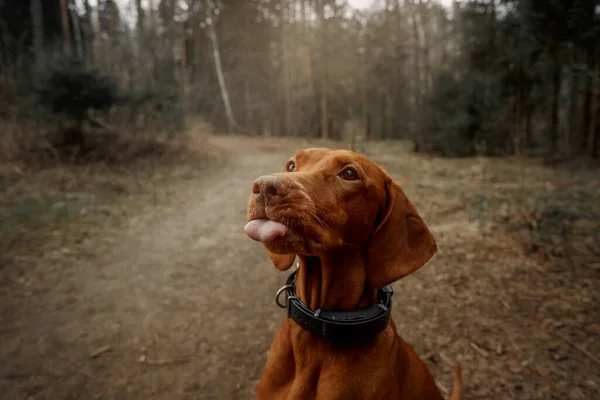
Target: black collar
x=339, y=326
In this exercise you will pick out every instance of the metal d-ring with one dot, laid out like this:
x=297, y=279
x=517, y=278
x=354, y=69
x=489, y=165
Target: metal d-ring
x=281, y=290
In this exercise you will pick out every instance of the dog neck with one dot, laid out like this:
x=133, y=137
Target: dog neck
x=335, y=280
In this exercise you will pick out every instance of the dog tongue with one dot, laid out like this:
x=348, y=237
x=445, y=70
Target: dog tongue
x=265, y=230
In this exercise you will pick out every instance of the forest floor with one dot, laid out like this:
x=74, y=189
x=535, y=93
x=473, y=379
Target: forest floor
x=142, y=285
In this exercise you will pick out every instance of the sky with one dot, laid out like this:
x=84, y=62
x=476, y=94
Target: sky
x=128, y=9
x=362, y=4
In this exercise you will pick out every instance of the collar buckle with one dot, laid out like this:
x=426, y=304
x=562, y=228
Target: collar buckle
x=278, y=294
x=338, y=326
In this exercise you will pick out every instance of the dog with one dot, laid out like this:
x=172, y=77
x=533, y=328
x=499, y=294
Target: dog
x=353, y=232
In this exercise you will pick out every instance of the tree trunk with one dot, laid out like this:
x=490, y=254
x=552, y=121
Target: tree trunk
x=183, y=74
x=64, y=12
x=199, y=47
x=556, y=81
x=365, y=112
x=323, y=57
x=423, y=18
x=324, y=116
x=588, y=110
x=398, y=120
x=517, y=116
x=594, y=128
x=416, y=42
x=37, y=22
x=528, y=121
x=382, y=110
x=573, y=111
x=88, y=32
x=323, y=78
x=212, y=35
x=140, y=21
x=247, y=108
x=285, y=74
x=310, y=75
x=76, y=32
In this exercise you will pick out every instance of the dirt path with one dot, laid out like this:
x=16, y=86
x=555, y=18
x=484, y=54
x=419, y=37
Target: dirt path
x=180, y=305
x=188, y=291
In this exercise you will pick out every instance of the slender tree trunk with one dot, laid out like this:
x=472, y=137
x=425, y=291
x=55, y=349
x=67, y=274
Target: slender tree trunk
x=518, y=115
x=324, y=115
x=183, y=75
x=77, y=32
x=37, y=22
x=138, y=45
x=383, y=125
x=247, y=108
x=199, y=43
x=594, y=128
x=151, y=19
x=324, y=70
x=114, y=20
x=556, y=81
x=310, y=75
x=141, y=22
x=363, y=61
x=365, y=111
x=423, y=18
x=88, y=32
x=285, y=72
x=397, y=119
x=212, y=35
x=588, y=110
x=573, y=110
x=416, y=42
x=64, y=12
x=528, y=121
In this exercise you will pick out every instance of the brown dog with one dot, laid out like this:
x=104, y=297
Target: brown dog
x=354, y=231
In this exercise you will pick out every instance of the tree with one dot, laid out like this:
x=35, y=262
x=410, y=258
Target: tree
x=491, y=76
x=37, y=28
x=72, y=90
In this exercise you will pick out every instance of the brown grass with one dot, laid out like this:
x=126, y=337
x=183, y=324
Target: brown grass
x=42, y=191
x=35, y=146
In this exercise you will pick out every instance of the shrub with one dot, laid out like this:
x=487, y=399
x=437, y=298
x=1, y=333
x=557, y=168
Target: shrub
x=70, y=88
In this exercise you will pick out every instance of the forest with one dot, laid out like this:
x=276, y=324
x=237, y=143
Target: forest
x=132, y=131
x=493, y=77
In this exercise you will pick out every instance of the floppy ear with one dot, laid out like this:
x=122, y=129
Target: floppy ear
x=282, y=261
x=401, y=244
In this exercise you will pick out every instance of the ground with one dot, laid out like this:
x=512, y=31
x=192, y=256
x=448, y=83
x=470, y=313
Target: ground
x=159, y=294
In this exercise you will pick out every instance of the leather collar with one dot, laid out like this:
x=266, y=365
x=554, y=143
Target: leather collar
x=340, y=326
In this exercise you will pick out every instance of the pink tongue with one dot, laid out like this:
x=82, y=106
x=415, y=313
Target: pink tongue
x=264, y=230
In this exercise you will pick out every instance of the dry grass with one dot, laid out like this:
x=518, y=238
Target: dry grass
x=35, y=146
x=41, y=195
x=513, y=292
x=22, y=144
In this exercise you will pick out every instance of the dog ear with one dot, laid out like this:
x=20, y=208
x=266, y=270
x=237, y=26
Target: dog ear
x=401, y=243
x=282, y=261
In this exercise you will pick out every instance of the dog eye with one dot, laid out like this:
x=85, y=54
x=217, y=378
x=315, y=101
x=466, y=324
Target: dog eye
x=290, y=166
x=349, y=174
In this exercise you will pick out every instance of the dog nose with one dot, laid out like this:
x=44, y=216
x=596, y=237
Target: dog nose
x=268, y=187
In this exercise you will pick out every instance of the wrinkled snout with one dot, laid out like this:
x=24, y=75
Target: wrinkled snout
x=267, y=191
x=268, y=188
